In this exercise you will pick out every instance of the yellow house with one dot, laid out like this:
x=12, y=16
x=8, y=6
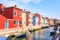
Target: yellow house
x=45, y=22
x=24, y=20
x=30, y=21
x=41, y=20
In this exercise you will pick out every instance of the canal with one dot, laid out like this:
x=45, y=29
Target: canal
x=43, y=34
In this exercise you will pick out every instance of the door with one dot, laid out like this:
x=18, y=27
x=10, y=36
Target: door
x=6, y=25
x=34, y=20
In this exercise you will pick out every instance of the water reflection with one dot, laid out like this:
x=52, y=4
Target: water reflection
x=38, y=35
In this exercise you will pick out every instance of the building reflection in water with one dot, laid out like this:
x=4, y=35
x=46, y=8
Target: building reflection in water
x=39, y=35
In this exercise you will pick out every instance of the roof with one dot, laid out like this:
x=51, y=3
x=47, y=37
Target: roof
x=13, y=7
x=36, y=14
x=1, y=4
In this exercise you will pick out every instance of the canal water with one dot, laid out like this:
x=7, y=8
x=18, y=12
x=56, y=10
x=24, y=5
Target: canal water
x=43, y=34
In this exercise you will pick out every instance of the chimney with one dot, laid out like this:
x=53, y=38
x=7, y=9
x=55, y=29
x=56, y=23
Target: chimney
x=15, y=6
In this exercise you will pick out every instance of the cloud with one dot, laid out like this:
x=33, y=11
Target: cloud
x=8, y=3
x=28, y=1
x=45, y=13
x=19, y=3
x=22, y=4
x=33, y=1
x=11, y=3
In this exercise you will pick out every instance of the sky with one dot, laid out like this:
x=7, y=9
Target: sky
x=46, y=8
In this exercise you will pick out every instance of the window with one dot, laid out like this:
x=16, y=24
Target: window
x=15, y=13
x=20, y=22
x=2, y=9
x=3, y=13
x=34, y=22
x=23, y=22
x=15, y=22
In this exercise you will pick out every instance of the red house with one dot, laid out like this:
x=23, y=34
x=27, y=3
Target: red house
x=2, y=22
x=27, y=18
x=10, y=17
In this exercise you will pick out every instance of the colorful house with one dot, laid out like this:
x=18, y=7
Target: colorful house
x=45, y=22
x=37, y=17
x=10, y=18
x=31, y=21
x=41, y=20
x=24, y=19
x=27, y=18
x=13, y=19
x=36, y=21
x=48, y=21
x=2, y=22
x=13, y=14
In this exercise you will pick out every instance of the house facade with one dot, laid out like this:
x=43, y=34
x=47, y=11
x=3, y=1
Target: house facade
x=12, y=15
x=41, y=20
